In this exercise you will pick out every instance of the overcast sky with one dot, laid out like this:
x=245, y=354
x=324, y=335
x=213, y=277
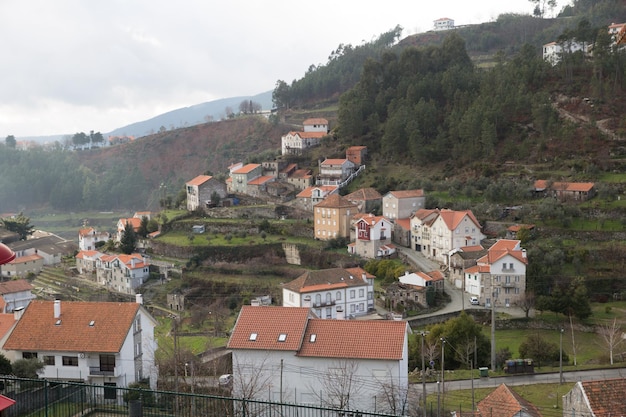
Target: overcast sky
x=79, y=65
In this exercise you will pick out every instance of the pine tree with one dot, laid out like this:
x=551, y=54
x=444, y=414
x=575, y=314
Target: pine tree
x=128, y=240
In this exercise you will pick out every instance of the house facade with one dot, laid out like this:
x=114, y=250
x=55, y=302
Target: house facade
x=16, y=294
x=86, y=261
x=22, y=266
x=553, y=51
x=373, y=237
x=367, y=200
x=335, y=293
x=443, y=24
x=460, y=261
x=88, y=237
x=334, y=171
x=286, y=354
x=426, y=280
x=356, y=154
x=332, y=216
x=201, y=189
x=122, y=273
x=315, y=124
x=51, y=248
x=438, y=233
x=242, y=176
x=313, y=195
x=402, y=204
x=296, y=143
x=501, y=273
x=563, y=191
x=102, y=343
x=604, y=397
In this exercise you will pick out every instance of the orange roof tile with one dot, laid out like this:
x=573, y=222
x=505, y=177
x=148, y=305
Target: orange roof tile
x=504, y=402
x=268, y=323
x=134, y=221
x=199, y=180
x=6, y=323
x=334, y=162
x=318, y=280
x=606, y=397
x=335, y=201
x=261, y=180
x=369, y=339
x=308, y=191
x=246, y=169
x=452, y=218
x=364, y=194
x=404, y=223
x=87, y=254
x=315, y=121
x=37, y=329
x=13, y=286
x=407, y=193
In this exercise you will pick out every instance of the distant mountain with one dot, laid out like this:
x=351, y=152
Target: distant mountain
x=190, y=116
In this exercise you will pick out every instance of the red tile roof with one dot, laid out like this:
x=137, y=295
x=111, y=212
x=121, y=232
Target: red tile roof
x=37, y=329
x=199, y=180
x=606, y=397
x=504, y=402
x=268, y=323
x=318, y=280
x=315, y=121
x=453, y=218
x=13, y=286
x=335, y=201
x=261, y=180
x=308, y=191
x=407, y=193
x=404, y=223
x=6, y=322
x=369, y=339
x=246, y=169
x=364, y=194
x=25, y=259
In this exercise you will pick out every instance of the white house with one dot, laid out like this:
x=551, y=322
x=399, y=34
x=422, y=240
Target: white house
x=439, y=233
x=372, y=237
x=443, y=24
x=295, y=143
x=334, y=171
x=501, y=272
x=553, y=51
x=433, y=279
x=122, y=273
x=285, y=354
x=100, y=343
x=315, y=124
x=86, y=261
x=88, y=237
x=335, y=293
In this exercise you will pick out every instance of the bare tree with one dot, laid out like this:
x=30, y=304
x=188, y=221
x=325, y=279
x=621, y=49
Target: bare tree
x=394, y=395
x=339, y=384
x=251, y=380
x=611, y=336
x=527, y=302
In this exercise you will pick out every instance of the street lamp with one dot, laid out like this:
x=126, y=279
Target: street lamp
x=561, y=357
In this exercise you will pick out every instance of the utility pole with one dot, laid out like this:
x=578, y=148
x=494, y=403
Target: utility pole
x=443, y=387
x=493, y=326
x=561, y=357
x=423, y=378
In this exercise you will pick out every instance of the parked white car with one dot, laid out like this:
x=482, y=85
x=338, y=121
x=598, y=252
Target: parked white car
x=474, y=301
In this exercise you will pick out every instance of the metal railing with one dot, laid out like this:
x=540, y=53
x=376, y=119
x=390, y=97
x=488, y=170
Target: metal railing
x=44, y=398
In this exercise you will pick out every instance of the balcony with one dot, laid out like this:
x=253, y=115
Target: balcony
x=508, y=285
x=98, y=371
x=324, y=304
x=508, y=270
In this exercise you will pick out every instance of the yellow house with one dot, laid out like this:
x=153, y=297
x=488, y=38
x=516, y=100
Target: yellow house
x=332, y=217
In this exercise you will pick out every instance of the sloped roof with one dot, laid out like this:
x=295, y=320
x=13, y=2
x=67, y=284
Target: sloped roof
x=246, y=169
x=335, y=201
x=504, y=402
x=335, y=161
x=364, y=194
x=541, y=185
x=606, y=397
x=37, y=329
x=318, y=280
x=308, y=191
x=133, y=221
x=301, y=173
x=268, y=323
x=407, y=193
x=372, y=220
x=83, y=254
x=517, y=227
x=452, y=218
x=404, y=223
x=49, y=244
x=199, y=180
x=502, y=248
x=13, y=286
x=25, y=259
x=6, y=323
x=369, y=339
x=128, y=260
x=315, y=121
x=308, y=135
x=261, y=180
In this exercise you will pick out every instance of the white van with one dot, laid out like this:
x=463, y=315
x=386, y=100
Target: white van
x=474, y=301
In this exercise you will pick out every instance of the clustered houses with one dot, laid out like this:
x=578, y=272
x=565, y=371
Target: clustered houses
x=89, y=237
x=202, y=190
x=33, y=254
x=553, y=51
x=289, y=355
x=122, y=273
x=134, y=221
x=500, y=275
x=332, y=293
x=104, y=343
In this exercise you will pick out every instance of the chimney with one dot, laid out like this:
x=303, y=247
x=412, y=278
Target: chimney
x=17, y=313
x=139, y=298
x=524, y=253
x=306, y=301
x=340, y=313
x=364, y=276
x=57, y=309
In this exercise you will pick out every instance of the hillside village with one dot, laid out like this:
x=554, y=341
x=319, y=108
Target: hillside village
x=292, y=349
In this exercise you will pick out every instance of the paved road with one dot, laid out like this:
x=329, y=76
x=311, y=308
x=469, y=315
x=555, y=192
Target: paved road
x=512, y=380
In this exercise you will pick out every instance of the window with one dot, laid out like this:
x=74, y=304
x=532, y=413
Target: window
x=29, y=355
x=361, y=307
x=352, y=293
x=49, y=360
x=352, y=308
x=282, y=337
x=70, y=360
x=329, y=312
x=318, y=299
x=107, y=363
x=370, y=295
x=338, y=295
x=328, y=298
x=361, y=293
